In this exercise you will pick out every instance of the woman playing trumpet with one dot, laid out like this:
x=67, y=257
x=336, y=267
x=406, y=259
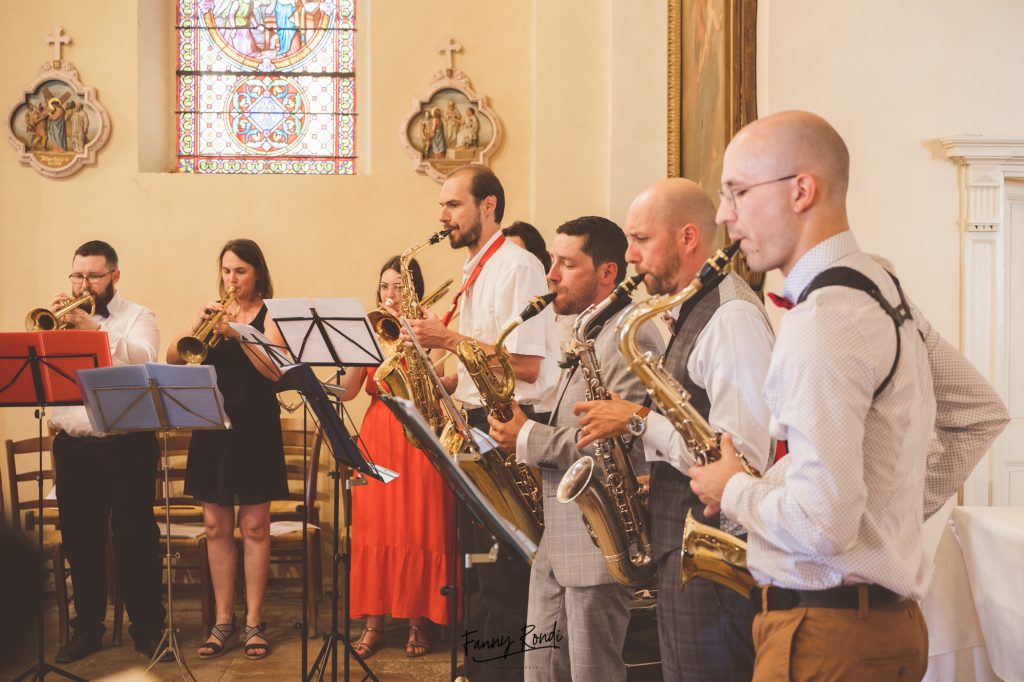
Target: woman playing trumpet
x=401, y=532
x=243, y=465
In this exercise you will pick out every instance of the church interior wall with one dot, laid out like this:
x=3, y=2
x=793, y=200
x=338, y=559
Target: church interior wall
x=579, y=87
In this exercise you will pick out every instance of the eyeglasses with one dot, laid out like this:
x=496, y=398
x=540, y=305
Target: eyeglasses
x=729, y=194
x=93, y=279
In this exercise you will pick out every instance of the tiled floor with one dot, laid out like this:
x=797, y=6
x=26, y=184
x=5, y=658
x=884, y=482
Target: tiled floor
x=282, y=609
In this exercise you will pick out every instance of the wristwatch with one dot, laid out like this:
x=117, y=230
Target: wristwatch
x=636, y=424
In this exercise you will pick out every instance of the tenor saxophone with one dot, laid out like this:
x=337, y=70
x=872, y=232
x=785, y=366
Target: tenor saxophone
x=403, y=374
x=615, y=510
x=513, y=487
x=703, y=442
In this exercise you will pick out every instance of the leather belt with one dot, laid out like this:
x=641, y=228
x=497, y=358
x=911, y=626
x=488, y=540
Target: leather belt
x=842, y=597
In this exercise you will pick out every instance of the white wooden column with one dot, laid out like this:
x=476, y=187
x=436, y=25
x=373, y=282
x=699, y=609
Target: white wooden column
x=991, y=171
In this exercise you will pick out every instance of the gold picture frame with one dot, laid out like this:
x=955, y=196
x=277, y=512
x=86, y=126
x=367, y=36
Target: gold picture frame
x=712, y=90
x=712, y=83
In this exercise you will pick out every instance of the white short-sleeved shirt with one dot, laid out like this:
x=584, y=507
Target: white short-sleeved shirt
x=507, y=282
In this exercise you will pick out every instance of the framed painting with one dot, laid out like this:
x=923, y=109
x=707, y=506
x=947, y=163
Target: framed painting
x=712, y=78
x=712, y=83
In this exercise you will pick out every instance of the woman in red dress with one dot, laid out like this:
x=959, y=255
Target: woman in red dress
x=401, y=531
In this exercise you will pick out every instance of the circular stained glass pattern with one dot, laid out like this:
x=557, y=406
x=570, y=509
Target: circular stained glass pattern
x=267, y=114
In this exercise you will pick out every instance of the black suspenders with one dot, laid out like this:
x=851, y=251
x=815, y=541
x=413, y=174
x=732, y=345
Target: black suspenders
x=848, y=277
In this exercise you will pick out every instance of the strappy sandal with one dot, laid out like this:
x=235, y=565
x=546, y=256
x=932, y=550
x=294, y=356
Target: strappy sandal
x=255, y=631
x=415, y=647
x=363, y=648
x=220, y=632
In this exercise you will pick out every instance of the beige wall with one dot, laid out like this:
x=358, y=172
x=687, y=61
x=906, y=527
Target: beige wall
x=579, y=85
x=893, y=78
x=322, y=235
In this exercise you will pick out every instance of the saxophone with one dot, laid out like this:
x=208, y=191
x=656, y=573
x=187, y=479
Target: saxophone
x=614, y=513
x=403, y=373
x=513, y=487
x=674, y=402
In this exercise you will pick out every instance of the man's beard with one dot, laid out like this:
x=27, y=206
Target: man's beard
x=467, y=235
x=575, y=302
x=661, y=283
x=103, y=298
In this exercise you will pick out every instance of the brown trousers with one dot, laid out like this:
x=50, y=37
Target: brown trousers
x=872, y=644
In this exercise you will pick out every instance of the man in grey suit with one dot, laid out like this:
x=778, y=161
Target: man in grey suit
x=719, y=352
x=577, y=614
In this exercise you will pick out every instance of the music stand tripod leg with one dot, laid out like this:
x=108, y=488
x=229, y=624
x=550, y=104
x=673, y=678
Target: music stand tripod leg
x=330, y=647
x=169, y=641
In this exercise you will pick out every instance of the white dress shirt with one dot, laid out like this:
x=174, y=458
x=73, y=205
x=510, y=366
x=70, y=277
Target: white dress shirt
x=845, y=506
x=134, y=338
x=507, y=282
x=729, y=361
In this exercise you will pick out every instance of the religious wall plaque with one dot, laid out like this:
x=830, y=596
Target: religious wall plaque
x=450, y=125
x=57, y=125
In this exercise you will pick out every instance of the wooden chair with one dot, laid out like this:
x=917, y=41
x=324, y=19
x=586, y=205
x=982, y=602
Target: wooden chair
x=24, y=516
x=285, y=549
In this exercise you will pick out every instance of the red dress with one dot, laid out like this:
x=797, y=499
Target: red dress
x=401, y=531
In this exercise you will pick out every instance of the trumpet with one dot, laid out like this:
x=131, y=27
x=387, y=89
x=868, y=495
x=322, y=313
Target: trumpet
x=44, y=319
x=193, y=349
x=386, y=326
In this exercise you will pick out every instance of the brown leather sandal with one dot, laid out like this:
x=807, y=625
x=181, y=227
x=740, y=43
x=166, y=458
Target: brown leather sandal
x=416, y=647
x=363, y=648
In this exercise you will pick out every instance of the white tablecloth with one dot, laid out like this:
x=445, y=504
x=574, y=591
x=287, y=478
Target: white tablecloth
x=956, y=647
x=992, y=539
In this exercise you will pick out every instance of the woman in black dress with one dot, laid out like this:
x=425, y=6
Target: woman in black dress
x=243, y=465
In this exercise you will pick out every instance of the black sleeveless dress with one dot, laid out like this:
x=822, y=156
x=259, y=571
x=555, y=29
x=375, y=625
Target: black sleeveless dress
x=244, y=464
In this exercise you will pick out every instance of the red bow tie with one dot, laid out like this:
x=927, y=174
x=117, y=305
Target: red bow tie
x=780, y=301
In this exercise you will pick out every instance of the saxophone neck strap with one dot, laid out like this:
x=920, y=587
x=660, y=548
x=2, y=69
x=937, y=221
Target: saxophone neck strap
x=853, y=279
x=495, y=245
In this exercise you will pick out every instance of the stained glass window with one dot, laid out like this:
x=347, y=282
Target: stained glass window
x=266, y=86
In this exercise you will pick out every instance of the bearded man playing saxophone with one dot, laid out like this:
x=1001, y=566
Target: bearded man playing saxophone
x=499, y=279
x=719, y=353
x=572, y=593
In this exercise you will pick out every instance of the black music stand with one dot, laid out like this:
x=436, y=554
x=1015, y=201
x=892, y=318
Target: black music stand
x=330, y=333
x=462, y=486
x=327, y=414
x=164, y=398
x=40, y=378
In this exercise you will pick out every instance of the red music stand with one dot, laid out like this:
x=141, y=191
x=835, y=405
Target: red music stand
x=37, y=369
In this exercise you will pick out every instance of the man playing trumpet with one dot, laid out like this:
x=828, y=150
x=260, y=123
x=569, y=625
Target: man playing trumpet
x=108, y=480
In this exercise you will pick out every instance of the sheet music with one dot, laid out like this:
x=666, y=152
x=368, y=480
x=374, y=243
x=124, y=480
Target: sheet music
x=258, y=341
x=120, y=399
x=104, y=407
x=190, y=393
x=344, y=321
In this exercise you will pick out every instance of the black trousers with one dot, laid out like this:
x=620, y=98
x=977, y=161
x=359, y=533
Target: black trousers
x=498, y=593
x=111, y=482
